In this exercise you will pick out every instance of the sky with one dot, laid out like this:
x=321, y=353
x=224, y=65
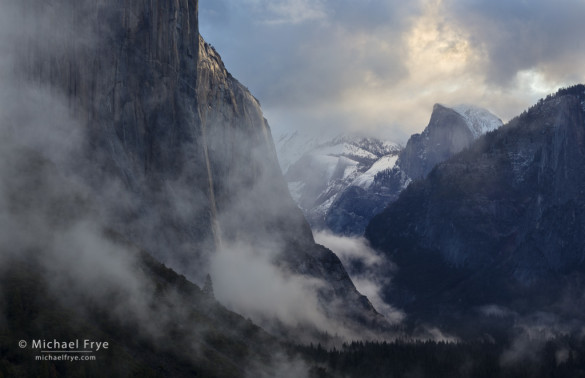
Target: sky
x=376, y=67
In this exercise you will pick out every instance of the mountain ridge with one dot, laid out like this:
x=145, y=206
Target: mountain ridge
x=342, y=196
x=501, y=222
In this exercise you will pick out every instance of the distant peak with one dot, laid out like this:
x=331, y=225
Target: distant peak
x=479, y=120
x=438, y=106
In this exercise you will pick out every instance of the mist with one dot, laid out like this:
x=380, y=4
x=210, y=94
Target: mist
x=58, y=224
x=49, y=215
x=259, y=270
x=369, y=270
x=84, y=214
x=248, y=283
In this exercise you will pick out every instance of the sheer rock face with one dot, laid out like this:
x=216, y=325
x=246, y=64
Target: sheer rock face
x=128, y=71
x=446, y=134
x=179, y=152
x=501, y=223
x=251, y=195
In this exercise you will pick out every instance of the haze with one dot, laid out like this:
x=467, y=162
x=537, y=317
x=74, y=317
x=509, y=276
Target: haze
x=378, y=66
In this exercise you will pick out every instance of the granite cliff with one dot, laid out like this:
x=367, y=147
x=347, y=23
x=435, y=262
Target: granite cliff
x=175, y=151
x=499, y=225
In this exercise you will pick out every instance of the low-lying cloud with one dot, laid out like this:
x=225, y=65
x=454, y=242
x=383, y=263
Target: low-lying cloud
x=245, y=279
x=369, y=270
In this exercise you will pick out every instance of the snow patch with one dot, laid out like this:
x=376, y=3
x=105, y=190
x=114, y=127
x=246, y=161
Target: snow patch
x=324, y=207
x=366, y=179
x=350, y=170
x=479, y=120
x=345, y=149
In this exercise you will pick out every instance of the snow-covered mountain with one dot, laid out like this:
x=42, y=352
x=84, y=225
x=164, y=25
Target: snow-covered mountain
x=340, y=183
x=327, y=168
x=292, y=146
x=500, y=225
x=479, y=120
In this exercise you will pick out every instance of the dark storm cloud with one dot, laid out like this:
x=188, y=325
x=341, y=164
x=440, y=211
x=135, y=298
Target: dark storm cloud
x=523, y=35
x=373, y=14
x=312, y=59
x=378, y=66
x=306, y=55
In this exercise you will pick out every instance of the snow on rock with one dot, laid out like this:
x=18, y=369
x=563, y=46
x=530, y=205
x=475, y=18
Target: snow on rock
x=479, y=120
x=324, y=169
x=366, y=179
x=291, y=147
x=346, y=149
x=331, y=176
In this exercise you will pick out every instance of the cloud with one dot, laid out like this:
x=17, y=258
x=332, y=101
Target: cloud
x=496, y=311
x=369, y=271
x=49, y=189
x=379, y=66
x=49, y=216
x=520, y=36
x=532, y=333
x=308, y=67
x=293, y=11
x=281, y=366
x=245, y=280
x=47, y=213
